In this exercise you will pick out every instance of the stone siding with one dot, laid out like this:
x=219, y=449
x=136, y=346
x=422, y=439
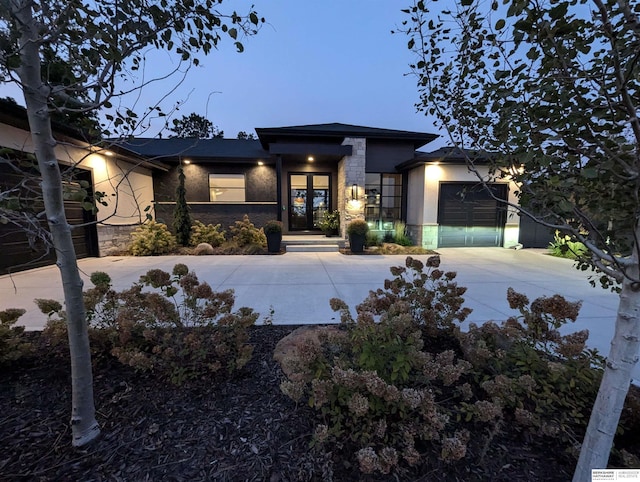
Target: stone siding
x=113, y=238
x=351, y=170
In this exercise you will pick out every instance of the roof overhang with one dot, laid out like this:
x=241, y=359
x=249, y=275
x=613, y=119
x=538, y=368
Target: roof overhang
x=336, y=133
x=446, y=155
x=311, y=149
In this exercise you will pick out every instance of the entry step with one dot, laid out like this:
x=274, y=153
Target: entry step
x=312, y=248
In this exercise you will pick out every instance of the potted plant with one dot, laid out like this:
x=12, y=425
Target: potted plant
x=273, y=232
x=330, y=223
x=357, y=231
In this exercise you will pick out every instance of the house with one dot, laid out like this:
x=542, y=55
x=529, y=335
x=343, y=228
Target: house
x=293, y=174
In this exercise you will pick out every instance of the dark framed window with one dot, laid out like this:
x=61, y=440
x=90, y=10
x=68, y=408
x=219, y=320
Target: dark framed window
x=383, y=200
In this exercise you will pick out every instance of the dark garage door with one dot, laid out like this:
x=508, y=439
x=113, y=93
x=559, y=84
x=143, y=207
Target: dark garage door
x=469, y=216
x=17, y=253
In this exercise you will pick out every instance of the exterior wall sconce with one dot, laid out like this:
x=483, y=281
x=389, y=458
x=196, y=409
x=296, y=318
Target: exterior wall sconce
x=353, y=204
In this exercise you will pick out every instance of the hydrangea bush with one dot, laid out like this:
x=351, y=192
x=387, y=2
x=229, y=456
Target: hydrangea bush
x=403, y=384
x=170, y=324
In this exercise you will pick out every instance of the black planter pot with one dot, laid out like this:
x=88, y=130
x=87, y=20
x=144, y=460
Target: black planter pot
x=274, y=240
x=329, y=233
x=356, y=243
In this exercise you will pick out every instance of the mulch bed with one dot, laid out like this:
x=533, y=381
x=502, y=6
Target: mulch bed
x=235, y=430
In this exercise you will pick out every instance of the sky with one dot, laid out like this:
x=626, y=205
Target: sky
x=312, y=62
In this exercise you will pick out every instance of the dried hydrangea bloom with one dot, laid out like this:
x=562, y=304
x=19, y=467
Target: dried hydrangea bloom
x=368, y=460
x=412, y=397
x=453, y=448
x=517, y=301
x=487, y=411
x=573, y=345
x=293, y=390
x=388, y=459
x=358, y=405
x=348, y=378
x=321, y=433
x=525, y=417
x=320, y=390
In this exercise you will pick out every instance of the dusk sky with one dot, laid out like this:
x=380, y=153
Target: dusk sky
x=312, y=62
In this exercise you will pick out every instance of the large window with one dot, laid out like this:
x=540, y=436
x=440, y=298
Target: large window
x=226, y=187
x=384, y=199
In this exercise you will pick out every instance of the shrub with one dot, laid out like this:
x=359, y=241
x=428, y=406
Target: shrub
x=372, y=239
x=151, y=239
x=244, y=233
x=180, y=330
x=13, y=345
x=546, y=382
x=358, y=227
x=400, y=237
x=564, y=247
x=272, y=227
x=210, y=234
x=407, y=387
x=181, y=216
x=330, y=221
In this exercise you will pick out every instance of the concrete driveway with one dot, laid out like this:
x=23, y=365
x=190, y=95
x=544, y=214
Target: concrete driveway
x=298, y=286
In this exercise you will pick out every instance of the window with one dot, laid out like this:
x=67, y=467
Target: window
x=227, y=188
x=384, y=199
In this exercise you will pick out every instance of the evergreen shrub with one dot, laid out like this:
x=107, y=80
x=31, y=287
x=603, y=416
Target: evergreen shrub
x=206, y=233
x=151, y=239
x=244, y=234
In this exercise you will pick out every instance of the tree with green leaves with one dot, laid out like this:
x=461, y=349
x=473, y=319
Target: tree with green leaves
x=552, y=90
x=195, y=126
x=101, y=44
x=181, y=215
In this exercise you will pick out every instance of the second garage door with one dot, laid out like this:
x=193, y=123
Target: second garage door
x=468, y=215
x=19, y=252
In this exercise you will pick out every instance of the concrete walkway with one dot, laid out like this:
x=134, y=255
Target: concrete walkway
x=298, y=286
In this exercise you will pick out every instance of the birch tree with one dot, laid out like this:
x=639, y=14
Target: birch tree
x=103, y=44
x=552, y=88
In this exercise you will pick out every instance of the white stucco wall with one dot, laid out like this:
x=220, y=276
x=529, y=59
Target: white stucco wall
x=424, y=192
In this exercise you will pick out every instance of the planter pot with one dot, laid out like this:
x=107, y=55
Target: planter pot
x=274, y=240
x=356, y=243
x=331, y=232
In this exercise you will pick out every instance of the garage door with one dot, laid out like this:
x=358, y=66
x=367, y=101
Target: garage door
x=469, y=216
x=18, y=252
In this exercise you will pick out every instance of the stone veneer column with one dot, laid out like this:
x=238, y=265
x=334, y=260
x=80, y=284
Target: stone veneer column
x=351, y=170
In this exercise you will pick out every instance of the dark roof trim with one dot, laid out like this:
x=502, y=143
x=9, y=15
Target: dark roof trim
x=16, y=116
x=445, y=155
x=311, y=149
x=202, y=149
x=339, y=131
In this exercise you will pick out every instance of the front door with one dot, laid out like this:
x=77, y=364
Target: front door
x=309, y=199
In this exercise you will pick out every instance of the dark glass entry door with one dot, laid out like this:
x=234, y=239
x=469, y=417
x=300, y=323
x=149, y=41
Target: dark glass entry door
x=309, y=199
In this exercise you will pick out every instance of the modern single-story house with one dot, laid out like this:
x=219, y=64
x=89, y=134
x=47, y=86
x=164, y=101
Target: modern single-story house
x=293, y=174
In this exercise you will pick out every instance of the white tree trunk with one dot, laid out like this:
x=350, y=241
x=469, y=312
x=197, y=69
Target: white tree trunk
x=83, y=423
x=622, y=358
